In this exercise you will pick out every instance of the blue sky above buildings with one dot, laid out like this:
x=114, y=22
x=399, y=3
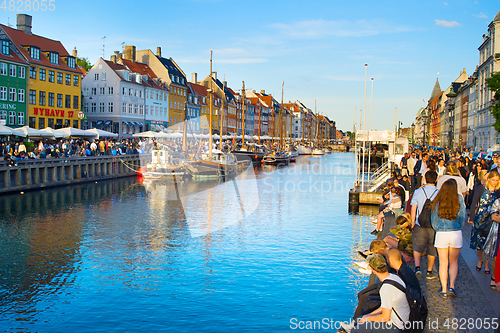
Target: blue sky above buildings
x=319, y=48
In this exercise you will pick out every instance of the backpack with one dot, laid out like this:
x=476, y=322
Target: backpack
x=418, y=308
x=424, y=219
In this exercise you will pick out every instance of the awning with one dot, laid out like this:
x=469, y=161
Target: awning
x=133, y=123
x=140, y=124
x=108, y=122
x=99, y=123
x=126, y=123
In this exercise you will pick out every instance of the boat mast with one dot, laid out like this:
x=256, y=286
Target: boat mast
x=210, y=110
x=260, y=112
x=242, y=115
x=221, y=113
x=281, y=116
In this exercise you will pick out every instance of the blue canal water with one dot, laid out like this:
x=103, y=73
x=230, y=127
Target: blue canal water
x=123, y=256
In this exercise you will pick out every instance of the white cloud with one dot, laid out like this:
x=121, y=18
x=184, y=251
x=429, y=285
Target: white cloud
x=447, y=24
x=481, y=15
x=445, y=3
x=341, y=28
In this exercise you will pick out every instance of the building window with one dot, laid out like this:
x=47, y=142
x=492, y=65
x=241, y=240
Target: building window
x=51, y=76
x=110, y=90
x=51, y=99
x=124, y=107
x=103, y=76
x=59, y=78
x=93, y=107
x=130, y=92
x=50, y=122
x=12, y=117
x=110, y=107
x=59, y=100
x=102, y=90
x=71, y=62
x=41, y=123
x=54, y=58
x=12, y=94
x=68, y=79
x=32, y=96
x=3, y=69
x=75, y=124
x=67, y=101
x=135, y=108
x=75, y=102
x=35, y=53
x=41, y=97
x=5, y=47
x=96, y=77
x=20, y=95
x=3, y=93
x=151, y=94
x=13, y=70
x=22, y=72
x=32, y=122
x=32, y=72
x=86, y=107
x=101, y=107
x=141, y=109
x=3, y=114
x=124, y=91
x=20, y=118
x=42, y=74
x=76, y=80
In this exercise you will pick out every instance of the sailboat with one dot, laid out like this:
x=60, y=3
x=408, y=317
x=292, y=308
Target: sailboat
x=317, y=150
x=214, y=163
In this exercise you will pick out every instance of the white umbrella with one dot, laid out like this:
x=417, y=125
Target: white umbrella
x=101, y=133
x=32, y=132
x=55, y=133
x=4, y=130
x=75, y=132
x=150, y=134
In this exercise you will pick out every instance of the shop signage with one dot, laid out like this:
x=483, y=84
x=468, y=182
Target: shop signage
x=52, y=112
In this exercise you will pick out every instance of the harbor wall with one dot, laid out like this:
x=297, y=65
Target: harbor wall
x=35, y=174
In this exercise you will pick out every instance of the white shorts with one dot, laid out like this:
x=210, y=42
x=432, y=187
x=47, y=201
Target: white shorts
x=445, y=239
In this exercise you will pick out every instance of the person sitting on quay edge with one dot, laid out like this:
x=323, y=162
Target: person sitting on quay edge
x=402, y=237
x=394, y=310
x=423, y=238
x=393, y=207
x=9, y=159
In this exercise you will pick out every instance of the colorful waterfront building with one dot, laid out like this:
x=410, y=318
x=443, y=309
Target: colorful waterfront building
x=13, y=85
x=114, y=98
x=54, y=93
x=156, y=93
x=227, y=105
x=170, y=73
x=193, y=115
x=489, y=62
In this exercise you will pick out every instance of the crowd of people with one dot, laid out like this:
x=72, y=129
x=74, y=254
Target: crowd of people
x=432, y=194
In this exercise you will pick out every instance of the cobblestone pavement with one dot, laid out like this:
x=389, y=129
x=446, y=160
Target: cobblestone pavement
x=476, y=303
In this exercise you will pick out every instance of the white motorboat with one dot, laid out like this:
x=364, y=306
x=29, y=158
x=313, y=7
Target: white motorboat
x=303, y=150
x=318, y=151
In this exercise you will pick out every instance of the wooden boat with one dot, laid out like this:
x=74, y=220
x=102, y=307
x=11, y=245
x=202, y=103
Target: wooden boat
x=218, y=165
x=252, y=151
x=161, y=166
x=277, y=158
x=303, y=150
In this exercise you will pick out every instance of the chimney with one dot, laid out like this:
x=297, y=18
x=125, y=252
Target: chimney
x=214, y=75
x=75, y=52
x=114, y=58
x=262, y=91
x=24, y=23
x=158, y=51
x=194, y=78
x=129, y=53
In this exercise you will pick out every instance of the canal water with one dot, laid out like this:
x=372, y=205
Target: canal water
x=268, y=252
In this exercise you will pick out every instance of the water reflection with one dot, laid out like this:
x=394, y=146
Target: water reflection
x=128, y=255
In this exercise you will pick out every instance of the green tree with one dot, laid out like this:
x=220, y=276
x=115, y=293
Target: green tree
x=84, y=63
x=493, y=84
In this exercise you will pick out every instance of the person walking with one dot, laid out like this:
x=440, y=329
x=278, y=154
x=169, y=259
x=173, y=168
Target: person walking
x=479, y=216
x=423, y=237
x=447, y=219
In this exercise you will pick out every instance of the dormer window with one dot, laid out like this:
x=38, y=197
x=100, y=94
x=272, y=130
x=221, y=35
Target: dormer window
x=54, y=58
x=5, y=47
x=35, y=53
x=71, y=62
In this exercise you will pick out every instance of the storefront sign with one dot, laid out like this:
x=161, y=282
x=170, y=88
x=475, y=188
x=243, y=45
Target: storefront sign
x=52, y=112
x=6, y=106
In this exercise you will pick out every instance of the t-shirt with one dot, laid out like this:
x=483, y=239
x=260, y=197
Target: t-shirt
x=394, y=299
x=419, y=198
x=461, y=184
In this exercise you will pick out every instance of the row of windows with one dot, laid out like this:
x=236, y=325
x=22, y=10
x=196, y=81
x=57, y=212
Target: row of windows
x=13, y=94
x=43, y=98
x=52, y=75
x=50, y=123
x=177, y=105
x=157, y=111
x=13, y=70
x=12, y=117
x=178, y=91
x=102, y=107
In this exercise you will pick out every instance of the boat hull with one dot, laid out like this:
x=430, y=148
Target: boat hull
x=255, y=157
x=302, y=150
x=273, y=160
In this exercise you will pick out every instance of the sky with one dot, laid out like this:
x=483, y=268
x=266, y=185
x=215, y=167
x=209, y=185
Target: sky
x=317, y=48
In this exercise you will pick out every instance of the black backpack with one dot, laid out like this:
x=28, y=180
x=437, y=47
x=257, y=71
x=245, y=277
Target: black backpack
x=418, y=308
x=424, y=219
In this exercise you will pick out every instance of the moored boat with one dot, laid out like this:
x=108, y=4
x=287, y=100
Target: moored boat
x=318, y=151
x=161, y=166
x=303, y=150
